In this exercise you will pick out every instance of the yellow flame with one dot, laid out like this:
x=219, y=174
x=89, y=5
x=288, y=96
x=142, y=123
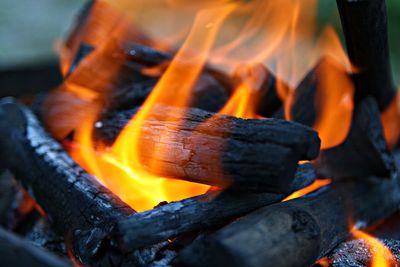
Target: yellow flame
x=381, y=255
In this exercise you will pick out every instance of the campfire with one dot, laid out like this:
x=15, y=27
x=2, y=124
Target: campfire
x=211, y=133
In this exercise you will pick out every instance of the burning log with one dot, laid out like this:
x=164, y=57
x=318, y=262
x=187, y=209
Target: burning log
x=197, y=213
x=364, y=152
x=215, y=149
x=365, y=27
x=15, y=251
x=306, y=228
x=75, y=202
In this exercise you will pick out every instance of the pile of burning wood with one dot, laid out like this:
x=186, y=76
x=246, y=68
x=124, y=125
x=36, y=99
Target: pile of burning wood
x=146, y=156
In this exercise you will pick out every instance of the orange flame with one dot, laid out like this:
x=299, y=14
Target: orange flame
x=130, y=179
x=391, y=122
x=311, y=188
x=381, y=255
x=278, y=34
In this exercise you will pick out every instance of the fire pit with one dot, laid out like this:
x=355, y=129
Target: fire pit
x=246, y=136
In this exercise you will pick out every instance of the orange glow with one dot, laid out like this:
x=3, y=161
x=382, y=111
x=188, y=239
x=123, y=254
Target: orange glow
x=223, y=33
x=334, y=104
x=311, y=188
x=121, y=167
x=243, y=102
x=391, y=122
x=324, y=262
x=381, y=255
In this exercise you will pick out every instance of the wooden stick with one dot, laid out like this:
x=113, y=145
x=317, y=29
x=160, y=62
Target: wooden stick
x=252, y=155
x=15, y=251
x=365, y=27
x=197, y=213
x=306, y=228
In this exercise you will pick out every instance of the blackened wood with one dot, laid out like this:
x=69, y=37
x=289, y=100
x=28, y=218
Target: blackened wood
x=215, y=149
x=357, y=253
x=306, y=228
x=29, y=80
x=364, y=152
x=75, y=202
x=15, y=251
x=207, y=94
x=365, y=27
x=198, y=213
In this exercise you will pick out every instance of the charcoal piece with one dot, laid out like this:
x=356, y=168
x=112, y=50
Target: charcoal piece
x=207, y=94
x=306, y=228
x=364, y=152
x=8, y=191
x=357, y=253
x=75, y=202
x=30, y=80
x=215, y=149
x=144, y=55
x=365, y=27
x=198, y=213
x=15, y=251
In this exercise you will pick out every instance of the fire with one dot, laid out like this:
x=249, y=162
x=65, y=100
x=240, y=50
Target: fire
x=311, y=188
x=120, y=167
x=225, y=34
x=381, y=255
x=390, y=121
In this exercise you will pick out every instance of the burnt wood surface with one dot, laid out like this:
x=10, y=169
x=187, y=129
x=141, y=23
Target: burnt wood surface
x=364, y=152
x=365, y=27
x=198, y=213
x=75, y=202
x=14, y=251
x=306, y=228
x=215, y=149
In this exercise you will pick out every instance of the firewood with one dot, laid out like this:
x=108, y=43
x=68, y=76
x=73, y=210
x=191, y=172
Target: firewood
x=15, y=251
x=365, y=27
x=75, y=202
x=364, y=152
x=215, y=149
x=306, y=228
x=198, y=213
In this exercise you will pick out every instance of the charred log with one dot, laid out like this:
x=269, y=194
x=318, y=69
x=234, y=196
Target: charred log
x=15, y=251
x=208, y=94
x=77, y=205
x=255, y=155
x=197, y=213
x=364, y=152
x=365, y=27
x=306, y=228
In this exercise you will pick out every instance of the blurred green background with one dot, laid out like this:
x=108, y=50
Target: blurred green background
x=29, y=28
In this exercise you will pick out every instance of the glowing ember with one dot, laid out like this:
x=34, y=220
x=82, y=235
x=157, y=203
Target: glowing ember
x=381, y=255
x=311, y=188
